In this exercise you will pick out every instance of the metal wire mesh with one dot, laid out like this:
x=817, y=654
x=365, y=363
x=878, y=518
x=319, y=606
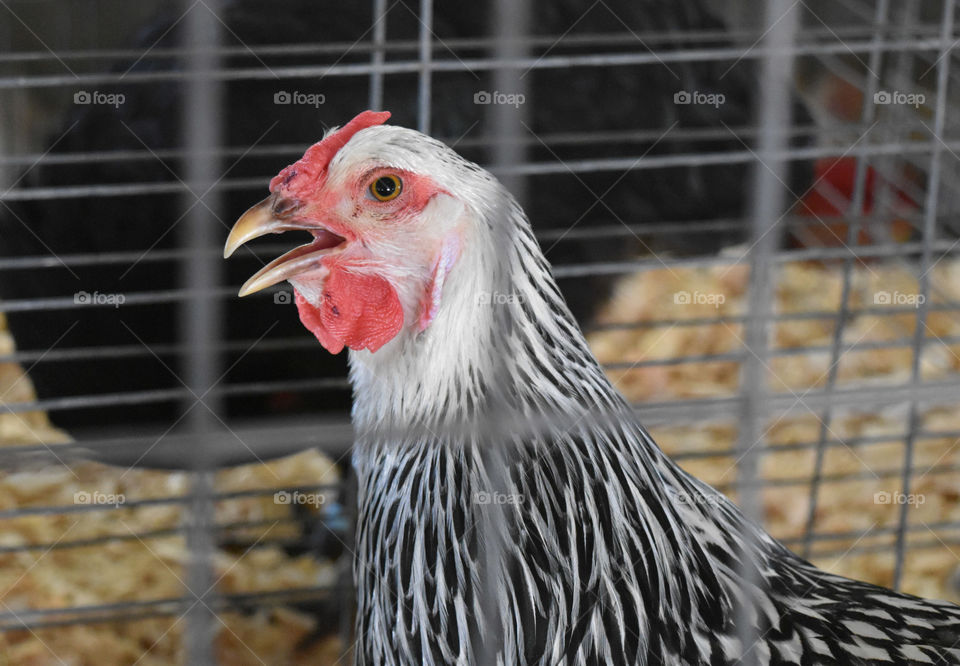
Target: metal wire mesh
x=855, y=83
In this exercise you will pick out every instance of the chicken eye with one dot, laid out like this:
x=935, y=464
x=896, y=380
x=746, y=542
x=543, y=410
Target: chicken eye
x=386, y=188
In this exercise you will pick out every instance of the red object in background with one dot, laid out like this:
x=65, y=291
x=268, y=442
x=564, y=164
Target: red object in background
x=829, y=200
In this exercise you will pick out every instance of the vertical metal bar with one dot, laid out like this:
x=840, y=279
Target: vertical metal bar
x=8, y=136
x=898, y=116
x=510, y=24
x=781, y=23
x=201, y=317
x=6, y=147
x=507, y=121
x=349, y=484
x=929, y=236
x=426, y=33
x=377, y=55
x=855, y=209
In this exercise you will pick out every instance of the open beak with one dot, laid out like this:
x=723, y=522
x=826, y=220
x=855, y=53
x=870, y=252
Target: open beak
x=274, y=215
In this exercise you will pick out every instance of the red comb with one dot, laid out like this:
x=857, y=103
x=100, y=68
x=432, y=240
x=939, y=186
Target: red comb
x=314, y=162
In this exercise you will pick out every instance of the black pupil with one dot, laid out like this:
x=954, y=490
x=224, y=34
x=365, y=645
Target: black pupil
x=385, y=186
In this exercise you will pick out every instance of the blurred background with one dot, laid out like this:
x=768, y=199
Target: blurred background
x=750, y=206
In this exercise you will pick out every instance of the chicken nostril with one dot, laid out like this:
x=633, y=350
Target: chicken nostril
x=284, y=206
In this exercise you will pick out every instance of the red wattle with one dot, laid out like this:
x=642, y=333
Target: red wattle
x=359, y=311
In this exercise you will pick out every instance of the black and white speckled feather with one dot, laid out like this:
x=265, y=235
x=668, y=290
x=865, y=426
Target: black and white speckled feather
x=609, y=553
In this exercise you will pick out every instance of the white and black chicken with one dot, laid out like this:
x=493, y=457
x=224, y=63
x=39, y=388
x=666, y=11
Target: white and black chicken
x=607, y=552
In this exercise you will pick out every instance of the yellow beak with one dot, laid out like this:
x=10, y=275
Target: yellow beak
x=272, y=216
x=259, y=220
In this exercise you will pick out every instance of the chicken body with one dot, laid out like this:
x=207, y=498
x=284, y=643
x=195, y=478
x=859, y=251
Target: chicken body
x=511, y=509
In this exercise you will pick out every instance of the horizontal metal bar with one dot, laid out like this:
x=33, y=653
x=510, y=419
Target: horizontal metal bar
x=133, y=351
x=269, y=439
x=620, y=164
x=37, y=618
x=853, y=535
x=805, y=401
x=20, y=512
x=644, y=57
x=861, y=441
x=861, y=549
x=778, y=352
x=739, y=319
x=560, y=271
x=758, y=483
x=132, y=611
x=788, y=256
x=559, y=235
x=337, y=438
x=172, y=394
x=161, y=533
x=592, y=231
x=46, y=618
x=554, y=139
x=270, y=345
x=130, y=299
x=339, y=383
x=112, y=538
x=452, y=44
x=839, y=477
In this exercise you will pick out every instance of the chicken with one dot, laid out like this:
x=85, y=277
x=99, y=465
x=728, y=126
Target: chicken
x=603, y=551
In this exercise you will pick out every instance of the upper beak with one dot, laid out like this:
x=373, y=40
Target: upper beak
x=273, y=215
x=259, y=220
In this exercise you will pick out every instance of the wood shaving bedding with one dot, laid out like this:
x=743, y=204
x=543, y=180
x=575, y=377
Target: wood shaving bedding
x=861, y=509
x=150, y=568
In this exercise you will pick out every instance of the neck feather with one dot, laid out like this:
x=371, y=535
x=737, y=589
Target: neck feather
x=503, y=333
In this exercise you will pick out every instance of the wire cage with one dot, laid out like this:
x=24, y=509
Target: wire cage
x=750, y=208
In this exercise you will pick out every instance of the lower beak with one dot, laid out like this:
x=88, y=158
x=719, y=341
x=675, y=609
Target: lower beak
x=263, y=219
